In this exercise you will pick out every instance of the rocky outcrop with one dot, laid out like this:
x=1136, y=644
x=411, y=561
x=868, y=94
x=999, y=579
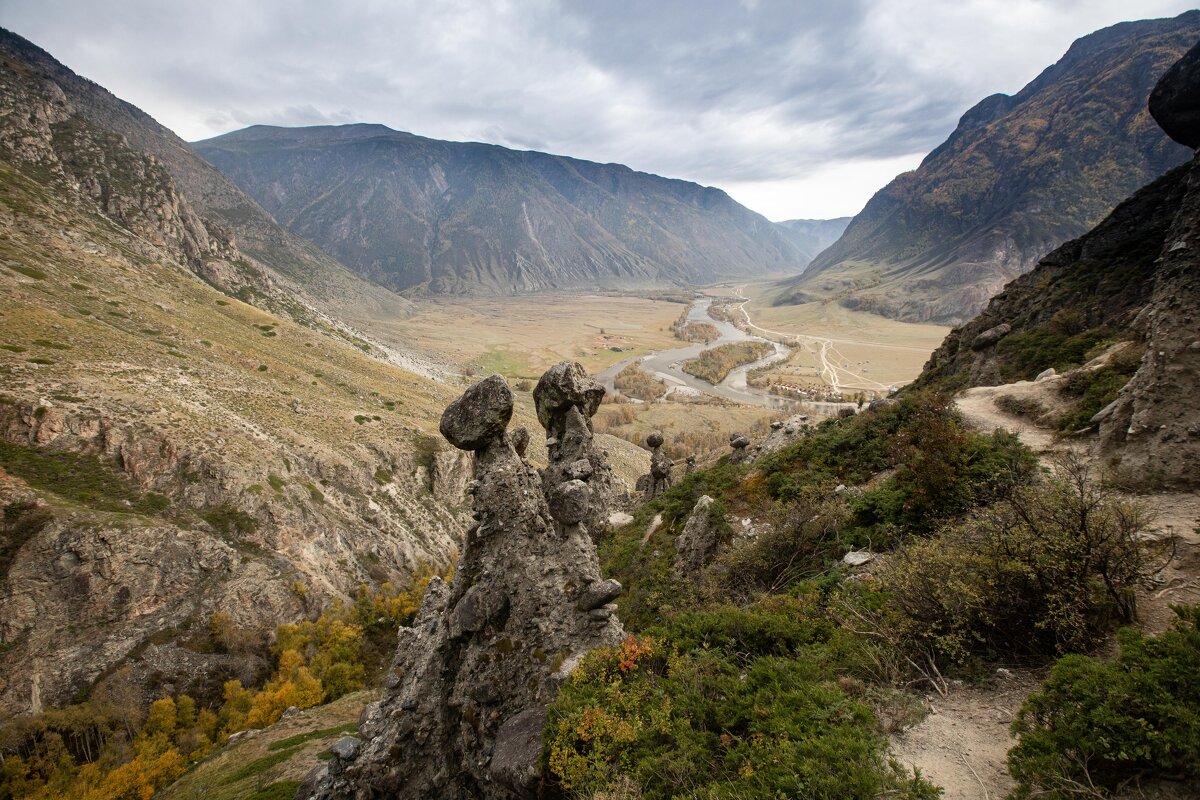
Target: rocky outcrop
x=578, y=481
x=1153, y=428
x=464, y=702
x=740, y=446
x=698, y=542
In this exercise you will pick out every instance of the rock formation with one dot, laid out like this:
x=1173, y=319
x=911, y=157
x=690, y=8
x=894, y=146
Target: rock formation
x=741, y=448
x=464, y=703
x=659, y=479
x=695, y=547
x=578, y=481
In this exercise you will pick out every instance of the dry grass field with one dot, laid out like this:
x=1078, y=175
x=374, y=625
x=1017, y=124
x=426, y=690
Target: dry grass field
x=520, y=337
x=870, y=352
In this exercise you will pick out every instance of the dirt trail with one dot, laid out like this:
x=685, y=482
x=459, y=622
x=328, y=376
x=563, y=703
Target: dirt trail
x=962, y=745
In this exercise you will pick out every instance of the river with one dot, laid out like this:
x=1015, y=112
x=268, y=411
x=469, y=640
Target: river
x=664, y=364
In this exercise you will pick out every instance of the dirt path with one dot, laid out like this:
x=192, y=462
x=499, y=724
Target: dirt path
x=963, y=743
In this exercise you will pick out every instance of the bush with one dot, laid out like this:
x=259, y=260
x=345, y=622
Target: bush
x=635, y=382
x=665, y=721
x=1101, y=725
x=1044, y=573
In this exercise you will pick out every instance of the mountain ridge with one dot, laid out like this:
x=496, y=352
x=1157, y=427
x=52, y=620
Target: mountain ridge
x=425, y=215
x=1020, y=175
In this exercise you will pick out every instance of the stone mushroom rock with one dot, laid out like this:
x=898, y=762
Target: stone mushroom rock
x=741, y=448
x=479, y=416
x=566, y=397
x=659, y=479
x=464, y=700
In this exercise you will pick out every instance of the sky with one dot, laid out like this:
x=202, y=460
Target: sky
x=798, y=109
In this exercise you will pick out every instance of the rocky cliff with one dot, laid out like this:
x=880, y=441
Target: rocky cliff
x=1019, y=176
x=1136, y=276
x=420, y=215
x=464, y=703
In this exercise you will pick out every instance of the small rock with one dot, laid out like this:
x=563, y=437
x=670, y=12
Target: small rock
x=345, y=748
x=738, y=442
x=654, y=439
x=991, y=336
x=519, y=436
x=856, y=558
x=1046, y=373
x=569, y=502
x=580, y=470
x=620, y=518
x=518, y=750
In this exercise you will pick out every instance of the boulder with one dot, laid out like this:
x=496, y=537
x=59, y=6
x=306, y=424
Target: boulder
x=479, y=417
x=1175, y=100
x=990, y=336
x=698, y=542
x=563, y=385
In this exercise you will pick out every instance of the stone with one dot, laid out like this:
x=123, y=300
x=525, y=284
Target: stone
x=599, y=594
x=698, y=542
x=345, y=748
x=563, y=385
x=479, y=416
x=654, y=440
x=856, y=558
x=519, y=436
x=737, y=441
x=485, y=655
x=1046, y=374
x=580, y=470
x=569, y=502
x=1175, y=100
x=991, y=336
x=515, y=759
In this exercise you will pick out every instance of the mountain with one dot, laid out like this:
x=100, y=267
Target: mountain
x=271, y=267
x=1134, y=278
x=167, y=451
x=1019, y=176
x=814, y=235
x=422, y=215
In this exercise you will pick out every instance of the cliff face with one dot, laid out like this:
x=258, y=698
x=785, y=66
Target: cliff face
x=1135, y=276
x=1018, y=177
x=464, y=703
x=421, y=215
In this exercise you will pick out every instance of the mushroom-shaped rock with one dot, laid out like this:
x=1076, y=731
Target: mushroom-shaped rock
x=566, y=384
x=479, y=417
x=519, y=436
x=654, y=439
x=738, y=442
x=1175, y=101
x=569, y=502
x=599, y=594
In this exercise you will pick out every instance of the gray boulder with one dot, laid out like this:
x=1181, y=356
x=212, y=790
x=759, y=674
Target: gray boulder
x=475, y=420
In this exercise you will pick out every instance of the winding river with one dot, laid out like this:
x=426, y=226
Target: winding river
x=665, y=364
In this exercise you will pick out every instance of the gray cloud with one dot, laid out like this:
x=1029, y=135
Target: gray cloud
x=798, y=108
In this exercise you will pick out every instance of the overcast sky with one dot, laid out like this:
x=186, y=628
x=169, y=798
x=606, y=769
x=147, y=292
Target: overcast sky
x=797, y=109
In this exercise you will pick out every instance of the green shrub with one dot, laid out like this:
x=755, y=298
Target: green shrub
x=666, y=721
x=230, y=522
x=1098, y=725
x=280, y=790
x=277, y=483
x=1026, y=353
x=1046, y=572
x=80, y=478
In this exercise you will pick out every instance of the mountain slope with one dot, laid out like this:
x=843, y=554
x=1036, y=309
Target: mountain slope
x=1134, y=277
x=420, y=214
x=166, y=450
x=814, y=235
x=1019, y=176
x=275, y=266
